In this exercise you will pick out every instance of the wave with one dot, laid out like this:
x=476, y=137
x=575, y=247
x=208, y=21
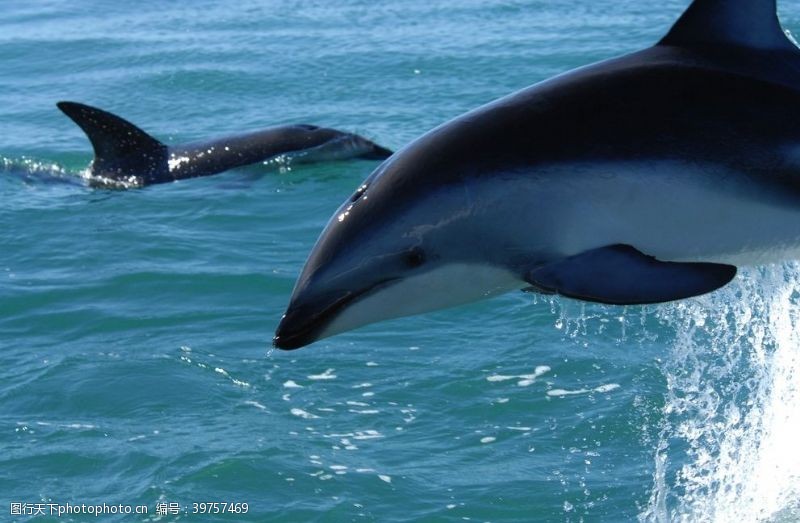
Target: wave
x=34, y=171
x=726, y=449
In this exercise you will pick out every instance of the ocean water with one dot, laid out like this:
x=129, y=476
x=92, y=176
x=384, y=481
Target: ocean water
x=135, y=326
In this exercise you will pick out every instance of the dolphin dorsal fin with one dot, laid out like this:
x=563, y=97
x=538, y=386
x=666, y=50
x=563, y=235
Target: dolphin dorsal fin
x=741, y=23
x=120, y=148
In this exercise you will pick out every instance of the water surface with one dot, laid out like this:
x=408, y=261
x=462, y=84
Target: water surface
x=135, y=327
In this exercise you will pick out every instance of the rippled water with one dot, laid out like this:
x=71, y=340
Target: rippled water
x=135, y=327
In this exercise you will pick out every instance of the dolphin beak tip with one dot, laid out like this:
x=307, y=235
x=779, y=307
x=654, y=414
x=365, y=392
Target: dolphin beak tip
x=283, y=341
x=278, y=343
x=286, y=342
x=289, y=337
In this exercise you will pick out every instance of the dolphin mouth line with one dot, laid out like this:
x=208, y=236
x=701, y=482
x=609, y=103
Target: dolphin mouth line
x=316, y=323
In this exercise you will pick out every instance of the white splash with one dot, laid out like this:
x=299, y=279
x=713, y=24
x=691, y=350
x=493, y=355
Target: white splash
x=524, y=379
x=327, y=375
x=300, y=413
x=364, y=411
x=359, y=435
x=732, y=411
x=557, y=393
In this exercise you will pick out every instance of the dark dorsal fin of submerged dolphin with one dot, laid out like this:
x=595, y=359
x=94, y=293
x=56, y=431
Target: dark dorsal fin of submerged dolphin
x=125, y=155
x=121, y=150
x=641, y=179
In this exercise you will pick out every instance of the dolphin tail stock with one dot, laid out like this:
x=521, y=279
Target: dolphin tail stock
x=120, y=148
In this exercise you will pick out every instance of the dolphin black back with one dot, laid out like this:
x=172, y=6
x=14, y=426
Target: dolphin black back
x=121, y=150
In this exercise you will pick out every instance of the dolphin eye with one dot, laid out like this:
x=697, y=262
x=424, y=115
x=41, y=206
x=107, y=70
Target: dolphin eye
x=415, y=257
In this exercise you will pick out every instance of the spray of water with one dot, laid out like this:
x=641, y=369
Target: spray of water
x=727, y=450
x=31, y=170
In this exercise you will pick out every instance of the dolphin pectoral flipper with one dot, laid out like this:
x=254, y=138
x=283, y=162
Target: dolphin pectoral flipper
x=120, y=148
x=621, y=275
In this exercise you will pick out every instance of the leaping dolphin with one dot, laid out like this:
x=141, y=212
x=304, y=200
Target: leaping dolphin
x=641, y=179
x=126, y=156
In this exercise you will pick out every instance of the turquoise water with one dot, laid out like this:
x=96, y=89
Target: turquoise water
x=135, y=327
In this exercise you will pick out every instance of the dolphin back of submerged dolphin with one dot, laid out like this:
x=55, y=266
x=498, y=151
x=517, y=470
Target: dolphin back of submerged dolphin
x=641, y=179
x=125, y=155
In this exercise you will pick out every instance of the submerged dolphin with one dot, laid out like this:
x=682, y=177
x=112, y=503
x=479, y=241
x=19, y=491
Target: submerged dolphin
x=641, y=179
x=126, y=156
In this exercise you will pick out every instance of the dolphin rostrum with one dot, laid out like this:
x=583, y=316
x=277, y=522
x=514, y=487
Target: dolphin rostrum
x=126, y=156
x=641, y=179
